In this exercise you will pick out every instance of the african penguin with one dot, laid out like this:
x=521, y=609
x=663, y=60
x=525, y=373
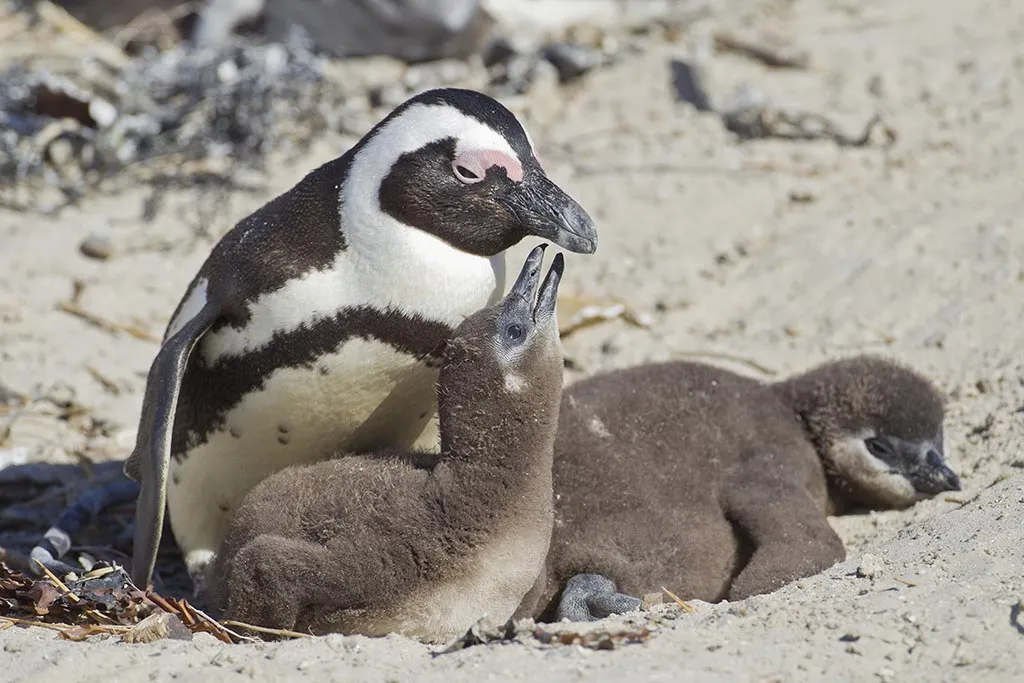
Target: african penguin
x=418, y=543
x=714, y=485
x=317, y=322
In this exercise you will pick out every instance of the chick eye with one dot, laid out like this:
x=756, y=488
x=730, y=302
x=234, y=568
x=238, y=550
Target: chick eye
x=877, y=447
x=466, y=175
x=514, y=332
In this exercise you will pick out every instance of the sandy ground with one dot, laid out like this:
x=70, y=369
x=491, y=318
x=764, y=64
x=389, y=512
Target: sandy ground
x=786, y=253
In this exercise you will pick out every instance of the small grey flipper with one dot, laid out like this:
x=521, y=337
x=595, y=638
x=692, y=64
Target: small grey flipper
x=149, y=462
x=589, y=597
x=785, y=525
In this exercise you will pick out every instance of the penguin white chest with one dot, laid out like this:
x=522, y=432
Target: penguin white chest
x=365, y=392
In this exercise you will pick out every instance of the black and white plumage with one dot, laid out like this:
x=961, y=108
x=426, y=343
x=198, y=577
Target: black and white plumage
x=316, y=323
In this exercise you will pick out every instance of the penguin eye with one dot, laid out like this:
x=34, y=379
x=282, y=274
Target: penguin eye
x=878, y=448
x=514, y=332
x=466, y=175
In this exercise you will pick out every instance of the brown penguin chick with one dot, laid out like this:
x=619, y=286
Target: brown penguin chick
x=714, y=485
x=422, y=544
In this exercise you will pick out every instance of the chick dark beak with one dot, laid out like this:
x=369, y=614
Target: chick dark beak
x=941, y=471
x=546, y=211
x=934, y=476
x=519, y=303
x=525, y=286
x=545, y=309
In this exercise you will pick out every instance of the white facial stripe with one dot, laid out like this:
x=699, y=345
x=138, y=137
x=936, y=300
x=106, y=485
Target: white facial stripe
x=855, y=463
x=194, y=302
x=417, y=126
x=852, y=455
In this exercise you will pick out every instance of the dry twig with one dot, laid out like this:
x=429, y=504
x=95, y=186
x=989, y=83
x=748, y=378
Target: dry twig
x=266, y=631
x=687, y=607
x=98, y=616
x=104, y=324
x=762, y=122
x=780, y=56
x=107, y=383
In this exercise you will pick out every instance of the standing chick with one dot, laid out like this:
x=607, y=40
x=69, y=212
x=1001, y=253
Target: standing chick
x=412, y=542
x=713, y=485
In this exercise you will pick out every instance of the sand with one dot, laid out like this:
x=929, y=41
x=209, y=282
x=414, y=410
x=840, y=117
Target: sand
x=783, y=253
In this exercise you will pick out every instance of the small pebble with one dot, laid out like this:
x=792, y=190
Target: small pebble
x=97, y=247
x=870, y=566
x=572, y=61
x=649, y=600
x=102, y=112
x=61, y=152
x=227, y=71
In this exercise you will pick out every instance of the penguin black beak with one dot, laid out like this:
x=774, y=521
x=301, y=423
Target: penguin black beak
x=520, y=300
x=546, y=211
x=545, y=309
x=526, y=284
x=934, y=476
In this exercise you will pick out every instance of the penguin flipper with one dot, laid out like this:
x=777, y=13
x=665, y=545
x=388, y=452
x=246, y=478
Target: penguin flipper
x=786, y=527
x=149, y=462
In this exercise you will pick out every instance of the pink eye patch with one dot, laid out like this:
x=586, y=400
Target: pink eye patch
x=471, y=167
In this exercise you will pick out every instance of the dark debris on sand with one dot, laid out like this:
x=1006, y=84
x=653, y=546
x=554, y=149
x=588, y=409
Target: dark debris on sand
x=173, y=117
x=608, y=635
x=34, y=495
x=75, y=116
x=101, y=602
x=178, y=117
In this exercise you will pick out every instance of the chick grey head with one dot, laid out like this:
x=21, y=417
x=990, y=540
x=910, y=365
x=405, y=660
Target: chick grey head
x=506, y=359
x=878, y=429
x=516, y=340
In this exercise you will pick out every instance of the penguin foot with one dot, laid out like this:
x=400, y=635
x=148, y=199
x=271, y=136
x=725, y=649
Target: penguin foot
x=589, y=597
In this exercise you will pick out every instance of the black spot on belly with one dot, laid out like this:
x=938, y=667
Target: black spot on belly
x=283, y=440
x=235, y=433
x=175, y=479
x=209, y=392
x=222, y=507
x=282, y=429
x=422, y=415
x=324, y=370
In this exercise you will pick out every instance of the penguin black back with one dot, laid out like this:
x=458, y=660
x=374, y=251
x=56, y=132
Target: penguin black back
x=716, y=486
